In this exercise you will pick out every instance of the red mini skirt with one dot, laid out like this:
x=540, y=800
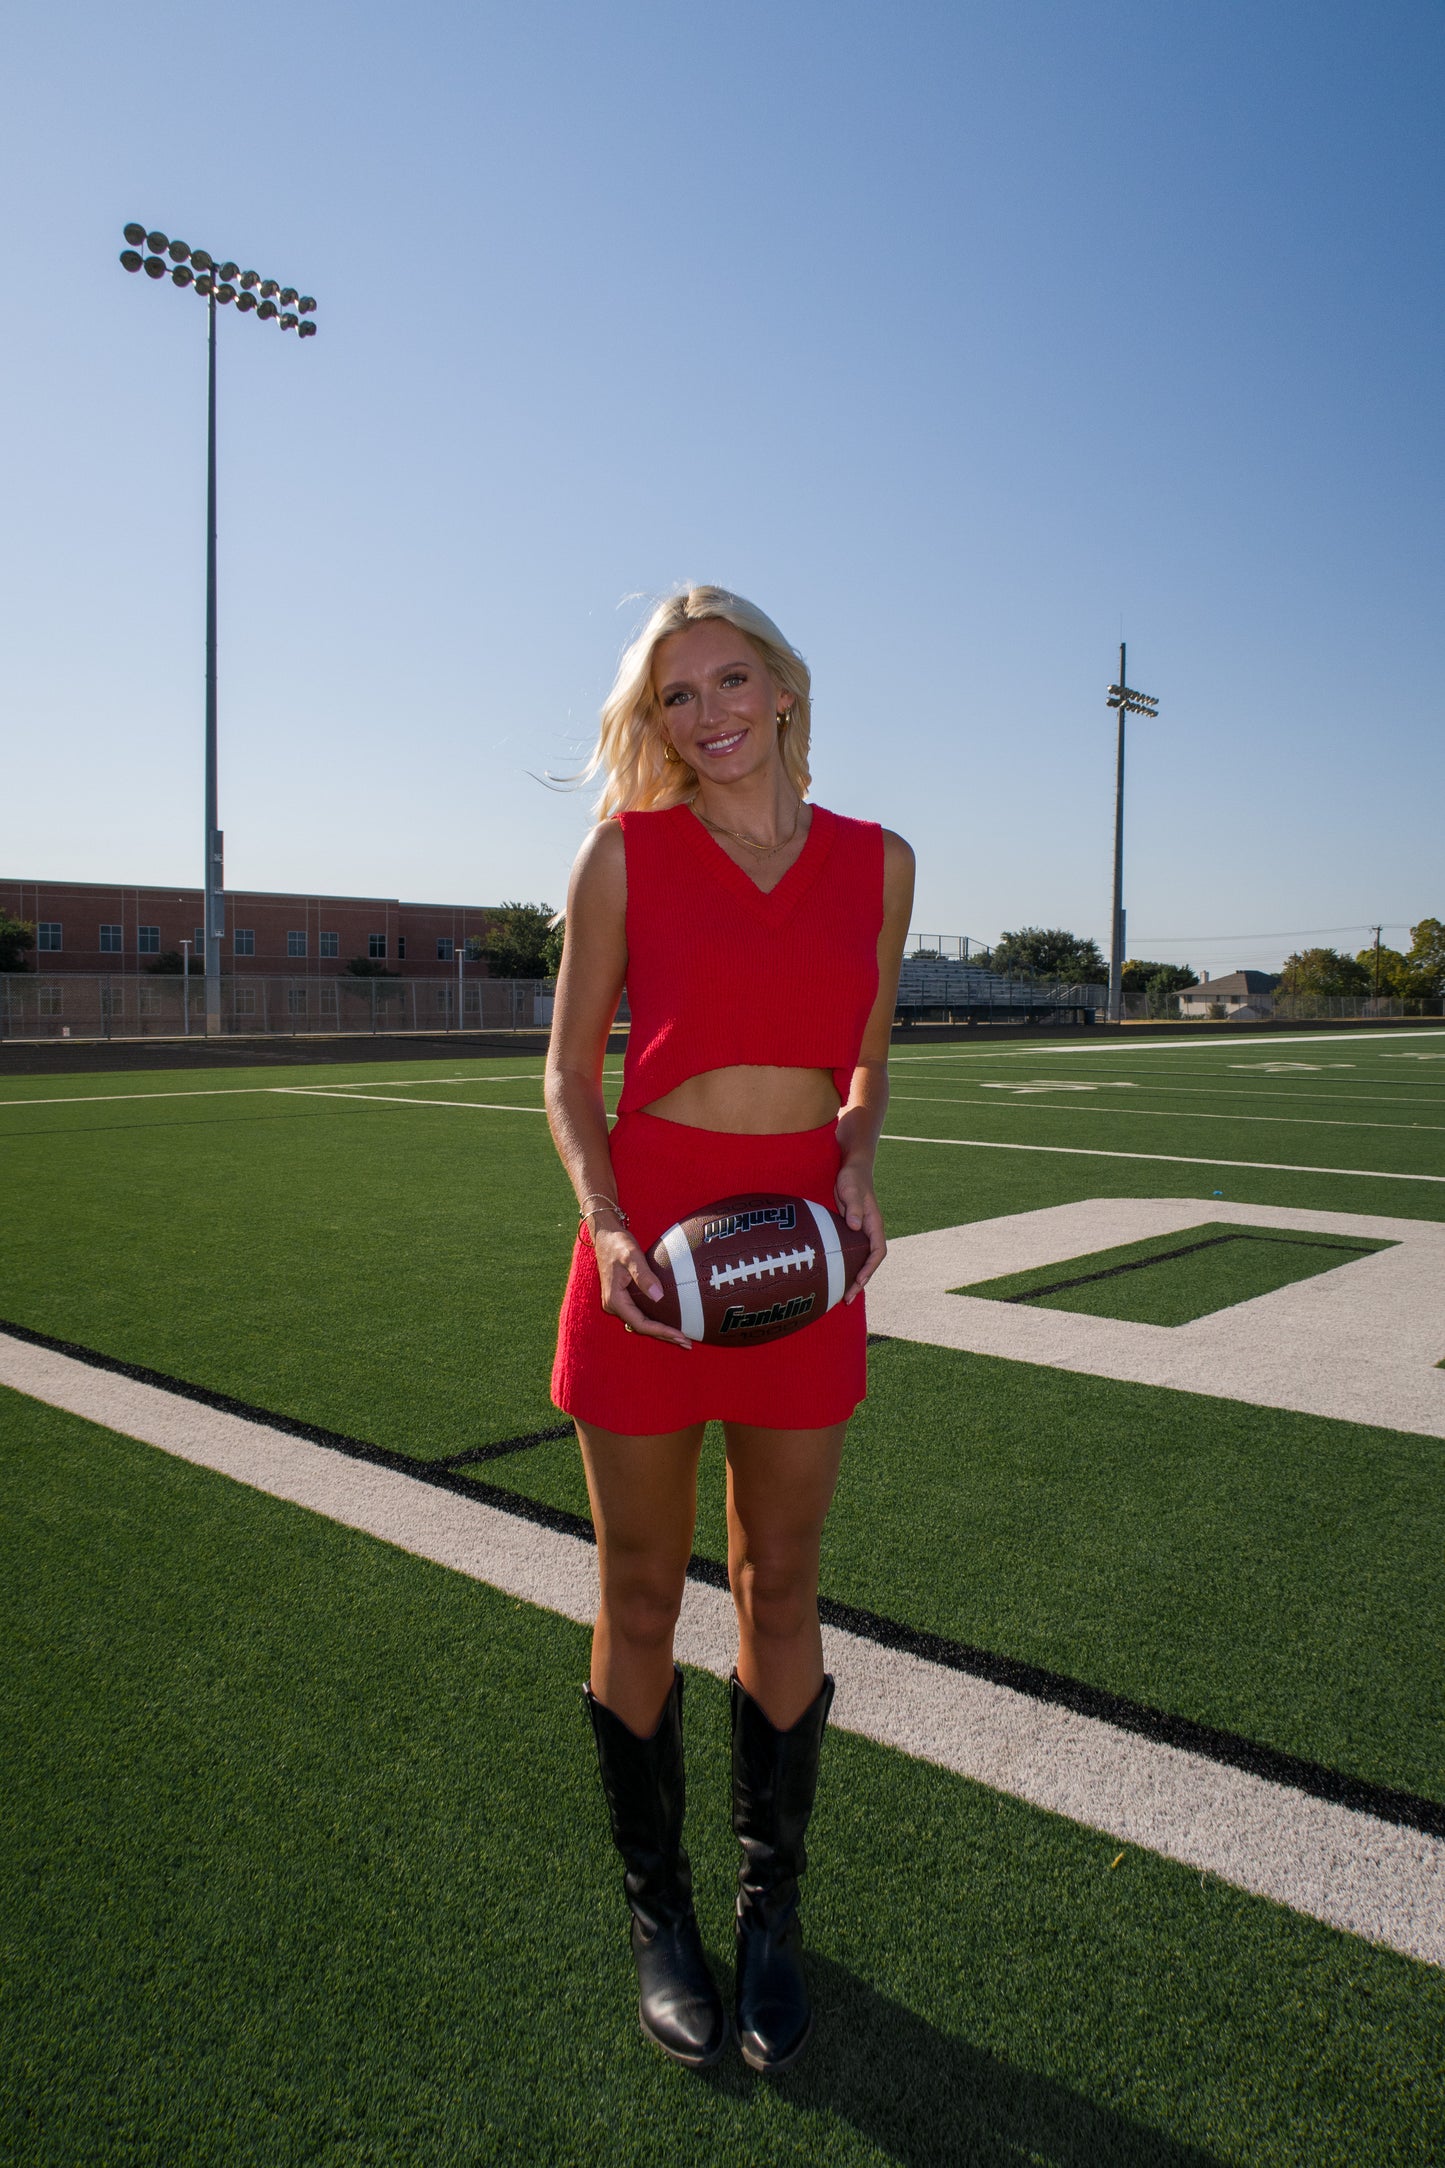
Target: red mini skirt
x=628, y=1383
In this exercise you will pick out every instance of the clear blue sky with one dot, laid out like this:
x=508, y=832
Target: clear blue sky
x=959, y=336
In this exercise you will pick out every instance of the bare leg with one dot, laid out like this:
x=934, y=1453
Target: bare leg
x=780, y=1486
x=644, y=1504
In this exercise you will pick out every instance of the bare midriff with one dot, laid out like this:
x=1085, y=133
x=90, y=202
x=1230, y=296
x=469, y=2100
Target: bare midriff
x=751, y=1101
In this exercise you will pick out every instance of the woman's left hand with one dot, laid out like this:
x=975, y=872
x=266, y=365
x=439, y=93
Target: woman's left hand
x=859, y=1207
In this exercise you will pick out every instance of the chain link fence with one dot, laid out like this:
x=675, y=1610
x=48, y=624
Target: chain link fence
x=76, y=1006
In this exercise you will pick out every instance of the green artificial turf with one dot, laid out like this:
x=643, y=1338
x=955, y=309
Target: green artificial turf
x=1172, y=1279
x=1272, y=1574
x=392, y=1271
x=303, y=1860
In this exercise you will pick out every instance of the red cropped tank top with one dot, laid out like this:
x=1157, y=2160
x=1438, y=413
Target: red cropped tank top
x=720, y=974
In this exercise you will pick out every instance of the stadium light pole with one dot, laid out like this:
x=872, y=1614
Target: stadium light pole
x=1127, y=702
x=272, y=303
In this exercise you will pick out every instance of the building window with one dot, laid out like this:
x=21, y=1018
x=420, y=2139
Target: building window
x=110, y=943
x=198, y=946
x=244, y=1001
x=296, y=1000
x=328, y=1000
x=446, y=949
x=401, y=948
x=49, y=938
x=376, y=947
x=330, y=944
x=148, y=940
x=245, y=940
x=295, y=944
x=444, y=997
x=50, y=1000
x=150, y=1001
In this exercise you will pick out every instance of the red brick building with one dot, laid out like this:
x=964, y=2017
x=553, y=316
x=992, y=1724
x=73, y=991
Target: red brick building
x=93, y=927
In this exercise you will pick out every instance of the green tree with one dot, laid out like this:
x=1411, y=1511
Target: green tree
x=368, y=967
x=1047, y=952
x=16, y=936
x=1157, y=981
x=1424, y=972
x=1391, y=966
x=552, y=948
x=517, y=940
x=167, y=965
x=1323, y=971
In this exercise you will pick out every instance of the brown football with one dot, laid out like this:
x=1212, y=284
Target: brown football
x=749, y=1269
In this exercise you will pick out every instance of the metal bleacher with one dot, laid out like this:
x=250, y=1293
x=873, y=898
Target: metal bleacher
x=946, y=990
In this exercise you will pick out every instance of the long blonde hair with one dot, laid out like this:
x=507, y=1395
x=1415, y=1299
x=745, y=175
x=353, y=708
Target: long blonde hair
x=629, y=749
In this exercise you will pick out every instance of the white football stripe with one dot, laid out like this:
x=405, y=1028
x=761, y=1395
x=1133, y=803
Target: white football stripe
x=684, y=1272
x=832, y=1250
x=1328, y=1862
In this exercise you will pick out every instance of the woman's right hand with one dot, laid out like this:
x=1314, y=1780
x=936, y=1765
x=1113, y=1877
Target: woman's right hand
x=622, y=1266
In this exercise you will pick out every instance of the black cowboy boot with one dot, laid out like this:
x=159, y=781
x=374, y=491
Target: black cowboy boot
x=775, y=1774
x=678, y=2002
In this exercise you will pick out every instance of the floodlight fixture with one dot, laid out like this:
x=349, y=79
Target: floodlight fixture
x=215, y=283
x=1125, y=701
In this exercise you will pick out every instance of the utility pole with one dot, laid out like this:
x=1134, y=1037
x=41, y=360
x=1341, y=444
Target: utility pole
x=1127, y=702
x=1378, y=931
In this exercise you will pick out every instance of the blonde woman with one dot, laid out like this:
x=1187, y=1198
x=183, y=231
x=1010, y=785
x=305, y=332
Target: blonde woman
x=759, y=938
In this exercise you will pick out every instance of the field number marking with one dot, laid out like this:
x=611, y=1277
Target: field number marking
x=1359, y=1344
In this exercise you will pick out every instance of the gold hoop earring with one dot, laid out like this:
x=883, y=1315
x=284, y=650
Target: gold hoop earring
x=669, y=751
x=784, y=717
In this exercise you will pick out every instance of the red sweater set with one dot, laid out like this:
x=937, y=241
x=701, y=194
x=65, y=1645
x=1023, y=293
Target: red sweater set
x=720, y=974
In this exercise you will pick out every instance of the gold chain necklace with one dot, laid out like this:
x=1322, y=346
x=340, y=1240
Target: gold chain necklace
x=764, y=850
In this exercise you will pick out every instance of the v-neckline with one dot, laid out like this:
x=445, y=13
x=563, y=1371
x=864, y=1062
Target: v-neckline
x=778, y=901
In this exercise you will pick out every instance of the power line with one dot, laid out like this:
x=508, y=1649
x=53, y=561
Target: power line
x=1295, y=933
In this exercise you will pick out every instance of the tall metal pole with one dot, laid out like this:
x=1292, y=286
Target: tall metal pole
x=214, y=869
x=1116, y=951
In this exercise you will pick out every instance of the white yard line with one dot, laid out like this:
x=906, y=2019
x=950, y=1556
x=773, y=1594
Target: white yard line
x=239, y=1091
x=382, y=1099
x=1170, y=1159
x=1165, y=1114
x=1331, y=1863
x=1303, y=1040
x=1294, y=1097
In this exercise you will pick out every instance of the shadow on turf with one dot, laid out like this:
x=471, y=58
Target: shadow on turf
x=922, y=2096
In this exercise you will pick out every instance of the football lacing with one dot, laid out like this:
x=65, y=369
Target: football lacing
x=758, y=1268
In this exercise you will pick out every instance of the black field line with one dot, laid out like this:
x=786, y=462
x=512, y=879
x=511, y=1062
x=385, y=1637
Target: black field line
x=1164, y=1257
x=1406, y=1810
x=1167, y=1159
